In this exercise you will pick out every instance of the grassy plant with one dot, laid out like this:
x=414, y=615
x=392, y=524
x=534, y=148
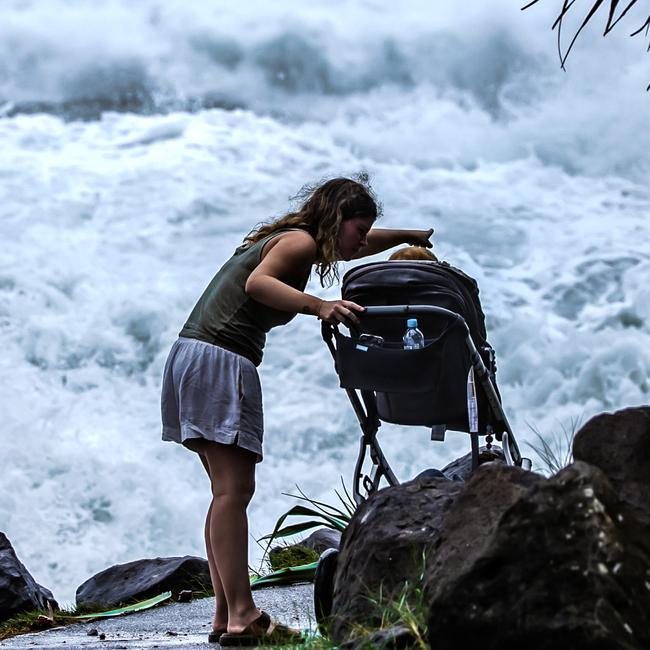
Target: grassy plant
x=310, y=642
x=555, y=450
x=37, y=620
x=315, y=514
x=407, y=608
x=323, y=515
x=27, y=622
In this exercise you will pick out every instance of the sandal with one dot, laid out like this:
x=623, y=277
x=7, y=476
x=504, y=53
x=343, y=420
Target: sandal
x=215, y=635
x=262, y=631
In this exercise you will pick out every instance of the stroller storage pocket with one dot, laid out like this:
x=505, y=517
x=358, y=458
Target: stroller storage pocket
x=387, y=368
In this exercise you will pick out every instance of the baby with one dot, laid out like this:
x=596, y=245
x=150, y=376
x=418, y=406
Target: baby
x=414, y=253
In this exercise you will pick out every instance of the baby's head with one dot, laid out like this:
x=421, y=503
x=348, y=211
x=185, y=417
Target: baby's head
x=414, y=253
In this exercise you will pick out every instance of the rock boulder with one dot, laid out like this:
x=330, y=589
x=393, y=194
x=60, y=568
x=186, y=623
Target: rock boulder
x=619, y=444
x=563, y=566
x=382, y=549
x=19, y=592
x=142, y=579
x=461, y=468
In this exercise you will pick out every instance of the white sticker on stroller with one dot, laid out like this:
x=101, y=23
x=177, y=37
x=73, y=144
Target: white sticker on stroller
x=472, y=403
x=363, y=348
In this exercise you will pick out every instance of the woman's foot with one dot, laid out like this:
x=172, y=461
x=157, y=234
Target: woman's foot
x=218, y=628
x=260, y=631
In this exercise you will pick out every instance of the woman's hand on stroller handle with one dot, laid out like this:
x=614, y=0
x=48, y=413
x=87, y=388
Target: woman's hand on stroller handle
x=339, y=311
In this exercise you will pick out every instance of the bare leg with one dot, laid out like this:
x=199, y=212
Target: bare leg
x=220, y=620
x=232, y=476
x=232, y=472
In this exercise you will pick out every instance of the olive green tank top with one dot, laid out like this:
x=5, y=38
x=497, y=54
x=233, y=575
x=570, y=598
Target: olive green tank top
x=226, y=316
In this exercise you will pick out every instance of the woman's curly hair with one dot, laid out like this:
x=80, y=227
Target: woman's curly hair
x=322, y=209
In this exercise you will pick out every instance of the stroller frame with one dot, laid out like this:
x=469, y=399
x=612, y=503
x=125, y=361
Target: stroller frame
x=365, y=406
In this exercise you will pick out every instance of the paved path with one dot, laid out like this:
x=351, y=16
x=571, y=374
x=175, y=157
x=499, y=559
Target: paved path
x=179, y=625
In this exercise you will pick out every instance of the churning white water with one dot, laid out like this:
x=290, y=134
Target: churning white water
x=141, y=141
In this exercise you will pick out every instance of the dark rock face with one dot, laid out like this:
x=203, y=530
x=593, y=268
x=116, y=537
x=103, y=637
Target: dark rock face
x=382, y=548
x=563, y=566
x=322, y=539
x=619, y=444
x=461, y=468
x=143, y=579
x=475, y=515
x=19, y=592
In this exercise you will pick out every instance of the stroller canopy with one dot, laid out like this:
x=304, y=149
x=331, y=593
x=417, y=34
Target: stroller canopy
x=417, y=283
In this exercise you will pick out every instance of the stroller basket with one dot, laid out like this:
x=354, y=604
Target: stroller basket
x=447, y=384
x=416, y=387
x=387, y=367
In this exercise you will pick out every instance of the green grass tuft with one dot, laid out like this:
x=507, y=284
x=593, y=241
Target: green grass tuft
x=555, y=450
x=282, y=557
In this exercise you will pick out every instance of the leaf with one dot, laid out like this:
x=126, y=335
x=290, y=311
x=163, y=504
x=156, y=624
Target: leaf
x=319, y=505
x=302, y=573
x=589, y=16
x=302, y=511
x=292, y=529
x=135, y=607
x=347, y=507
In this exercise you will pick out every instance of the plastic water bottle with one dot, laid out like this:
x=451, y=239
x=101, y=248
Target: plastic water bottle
x=413, y=338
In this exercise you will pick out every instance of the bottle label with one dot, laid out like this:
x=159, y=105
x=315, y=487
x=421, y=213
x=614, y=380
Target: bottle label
x=472, y=402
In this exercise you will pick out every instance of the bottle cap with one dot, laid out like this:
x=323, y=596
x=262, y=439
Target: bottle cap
x=412, y=322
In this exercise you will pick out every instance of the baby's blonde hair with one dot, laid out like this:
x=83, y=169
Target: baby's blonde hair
x=414, y=253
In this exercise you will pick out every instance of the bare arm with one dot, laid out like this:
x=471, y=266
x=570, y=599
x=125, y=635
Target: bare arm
x=289, y=261
x=381, y=239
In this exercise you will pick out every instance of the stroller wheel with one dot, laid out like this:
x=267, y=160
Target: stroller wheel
x=324, y=587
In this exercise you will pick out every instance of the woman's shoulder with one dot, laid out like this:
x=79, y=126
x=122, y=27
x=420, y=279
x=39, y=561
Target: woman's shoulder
x=296, y=241
x=298, y=237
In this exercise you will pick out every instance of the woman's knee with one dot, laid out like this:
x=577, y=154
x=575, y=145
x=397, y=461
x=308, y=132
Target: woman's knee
x=239, y=490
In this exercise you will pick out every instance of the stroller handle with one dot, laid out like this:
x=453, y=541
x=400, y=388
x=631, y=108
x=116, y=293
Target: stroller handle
x=415, y=310
x=407, y=310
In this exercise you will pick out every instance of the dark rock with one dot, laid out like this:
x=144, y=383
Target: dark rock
x=394, y=638
x=19, y=592
x=322, y=539
x=382, y=550
x=430, y=473
x=619, y=444
x=92, y=632
x=563, y=566
x=102, y=636
x=124, y=583
x=461, y=468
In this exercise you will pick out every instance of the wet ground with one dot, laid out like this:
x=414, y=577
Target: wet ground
x=179, y=625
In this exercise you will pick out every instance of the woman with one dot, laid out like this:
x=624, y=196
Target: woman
x=211, y=397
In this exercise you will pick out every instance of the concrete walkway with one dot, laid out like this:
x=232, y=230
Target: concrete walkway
x=179, y=625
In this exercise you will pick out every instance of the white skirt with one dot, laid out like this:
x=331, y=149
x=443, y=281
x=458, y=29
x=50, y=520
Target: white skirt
x=211, y=393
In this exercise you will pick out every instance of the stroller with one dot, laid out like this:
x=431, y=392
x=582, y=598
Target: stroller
x=448, y=384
